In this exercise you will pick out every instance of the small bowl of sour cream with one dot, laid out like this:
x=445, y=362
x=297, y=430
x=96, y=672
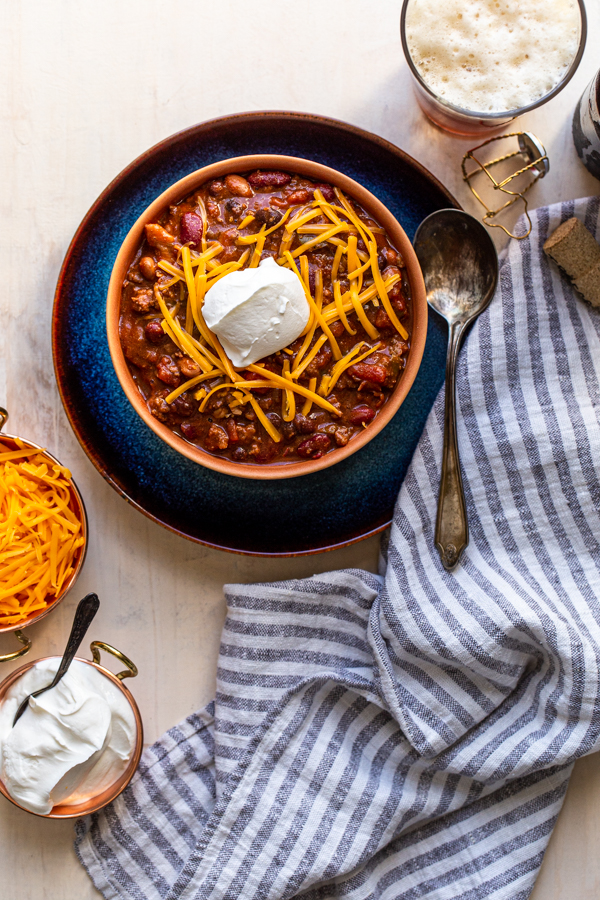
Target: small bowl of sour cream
x=76, y=747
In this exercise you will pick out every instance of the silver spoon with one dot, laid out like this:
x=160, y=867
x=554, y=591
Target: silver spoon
x=460, y=269
x=85, y=612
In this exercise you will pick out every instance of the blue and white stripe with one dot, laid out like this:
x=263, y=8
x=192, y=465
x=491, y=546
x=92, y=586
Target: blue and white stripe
x=411, y=735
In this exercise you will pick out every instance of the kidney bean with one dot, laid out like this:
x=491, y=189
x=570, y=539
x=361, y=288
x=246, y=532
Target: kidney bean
x=281, y=202
x=148, y=267
x=361, y=414
x=269, y=179
x=190, y=229
x=189, y=368
x=232, y=432
x=274, y=419
x=313, y=447
x=398, y=302
x=300, y=196
x=216, y=439
x=189, y=431
x=238, y=186
x=387, y=257
x=157, y=236
x=168, y=371
x=336, y=328
x=182, y=406
x=327, y=191
x=154, y=332
x=216, y=188
x=368, y=372
x=304, y=425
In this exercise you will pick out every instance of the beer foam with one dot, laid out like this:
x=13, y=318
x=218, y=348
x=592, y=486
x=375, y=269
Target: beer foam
x=492, y=55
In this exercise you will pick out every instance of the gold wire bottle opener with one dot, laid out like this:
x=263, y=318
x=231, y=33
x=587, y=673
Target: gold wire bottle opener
x=537, y=164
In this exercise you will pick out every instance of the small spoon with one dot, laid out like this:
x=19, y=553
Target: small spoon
x=460, y=269
x=85, y=612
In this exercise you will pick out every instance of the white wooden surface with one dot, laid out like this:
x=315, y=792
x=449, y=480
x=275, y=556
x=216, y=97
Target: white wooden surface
x=84, y=88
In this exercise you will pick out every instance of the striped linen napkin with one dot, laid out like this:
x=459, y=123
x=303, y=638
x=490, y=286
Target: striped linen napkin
x=409, y=736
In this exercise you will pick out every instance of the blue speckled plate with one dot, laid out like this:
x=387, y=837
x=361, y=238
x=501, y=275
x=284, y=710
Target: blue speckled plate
x=345, y=503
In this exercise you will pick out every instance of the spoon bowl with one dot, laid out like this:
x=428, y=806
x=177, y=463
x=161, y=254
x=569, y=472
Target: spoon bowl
x=459, y=264
x=460, y=269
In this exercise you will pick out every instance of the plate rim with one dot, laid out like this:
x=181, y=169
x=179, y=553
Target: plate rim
x=162, y=145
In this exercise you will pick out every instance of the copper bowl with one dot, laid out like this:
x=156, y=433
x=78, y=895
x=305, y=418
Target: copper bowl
x=318, y=173
x=96, y=802
x=77, y=506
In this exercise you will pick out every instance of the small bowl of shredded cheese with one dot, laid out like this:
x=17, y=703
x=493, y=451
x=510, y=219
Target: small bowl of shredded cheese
x=43, y=534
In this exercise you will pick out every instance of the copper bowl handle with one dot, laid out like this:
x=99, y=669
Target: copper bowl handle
x=130, y=672
x=8, y=657
x=3, y=417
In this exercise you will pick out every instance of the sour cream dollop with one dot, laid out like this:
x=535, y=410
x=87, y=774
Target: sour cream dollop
x=71, y=743
x=255, y=312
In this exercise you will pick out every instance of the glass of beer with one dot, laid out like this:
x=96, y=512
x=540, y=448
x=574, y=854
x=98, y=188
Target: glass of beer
x=478, y=64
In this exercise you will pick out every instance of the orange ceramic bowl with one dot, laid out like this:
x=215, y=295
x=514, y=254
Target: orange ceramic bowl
x=317, y=173
x=93, y=803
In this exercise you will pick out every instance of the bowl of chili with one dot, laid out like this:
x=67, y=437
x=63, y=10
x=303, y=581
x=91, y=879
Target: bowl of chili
x=310, y=404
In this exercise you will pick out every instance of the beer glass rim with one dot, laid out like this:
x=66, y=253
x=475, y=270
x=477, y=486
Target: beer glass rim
x=506, y=114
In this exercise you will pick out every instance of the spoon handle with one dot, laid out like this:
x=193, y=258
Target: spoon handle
x=451, y=529
x=86, y=610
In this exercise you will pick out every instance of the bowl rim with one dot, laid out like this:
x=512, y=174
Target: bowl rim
x=182, y=188
x=504, y=116
x=117, y=787
x=82, y=515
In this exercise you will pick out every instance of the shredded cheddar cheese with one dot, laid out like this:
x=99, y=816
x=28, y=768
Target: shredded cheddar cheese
x=219, y=387
x=316, y=312
x=352, y=263
x=258, y=249
x=349, y=360
x=253, y=238
x=298, y=388
x=192, y=382
x=308, y=245
x=288, y=401
x=266, y=423
x=40, y=535
x=312, y=384
x=309, y=357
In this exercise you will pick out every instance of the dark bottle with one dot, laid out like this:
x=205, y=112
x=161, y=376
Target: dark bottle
x=586, y=126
